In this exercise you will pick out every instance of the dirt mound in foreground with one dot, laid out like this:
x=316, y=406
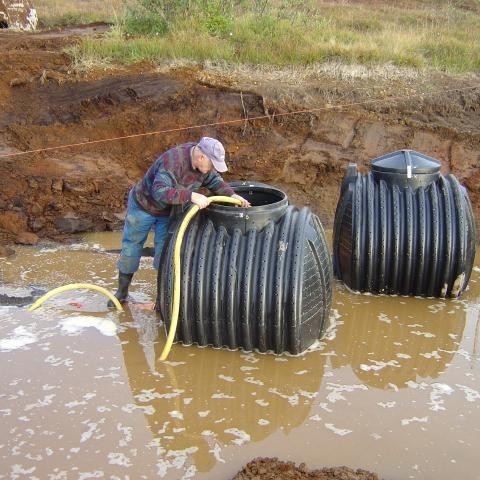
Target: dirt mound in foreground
x=274, y=469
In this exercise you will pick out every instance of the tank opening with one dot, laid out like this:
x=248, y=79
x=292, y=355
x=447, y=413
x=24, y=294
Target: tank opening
x=3, y=24
x=259, y=196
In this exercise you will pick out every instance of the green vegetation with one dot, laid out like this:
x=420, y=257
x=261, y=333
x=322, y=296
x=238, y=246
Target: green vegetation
x=63, y=13
x=436, y=34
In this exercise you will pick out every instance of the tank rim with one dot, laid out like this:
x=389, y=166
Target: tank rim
x=240, y=187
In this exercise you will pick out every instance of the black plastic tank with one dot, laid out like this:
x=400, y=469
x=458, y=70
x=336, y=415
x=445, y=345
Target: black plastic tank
x=403, y=228
x=257, y=278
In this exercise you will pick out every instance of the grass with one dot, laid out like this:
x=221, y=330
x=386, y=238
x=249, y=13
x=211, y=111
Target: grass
x=431, y=34
x=62, y=13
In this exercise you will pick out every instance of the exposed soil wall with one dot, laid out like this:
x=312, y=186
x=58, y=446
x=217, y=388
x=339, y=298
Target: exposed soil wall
x=47, y=103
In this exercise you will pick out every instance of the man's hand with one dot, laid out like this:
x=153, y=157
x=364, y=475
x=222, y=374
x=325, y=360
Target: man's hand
x=200, y=200
x=245, y=202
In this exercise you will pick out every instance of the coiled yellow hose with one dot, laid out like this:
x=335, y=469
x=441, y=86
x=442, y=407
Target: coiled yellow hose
x=176, y=268
x=74, y=286
x=176, y=273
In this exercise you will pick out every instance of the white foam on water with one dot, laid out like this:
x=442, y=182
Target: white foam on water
x=174, y=364
x=242, y=436
x=93, y=428
x=59, y=361
x=331, y=331
x=338, y=431
x=316, y=346
x=216, y=450
x=383, y=317
x=407, y=421
x=324, y=406
x=176, y=459
x=221, y=395
x=86, y=475
x=75, y=325
x=79, y=403
x=471, y=395
x=438, y=391
x=190, y=472
x=387, y=404
x=176, y=414
x=131, y=407
x=150, y=394
x=422, y=334
x=292, y=399
x=247, y=369
x=19, y=470
x=249, y=357
x=127, y=434
x=336, y=391
x=309, y=395
x=118, y=458
x=19, y=338
x=432, y=354
x=377, y=365
x=253, y=380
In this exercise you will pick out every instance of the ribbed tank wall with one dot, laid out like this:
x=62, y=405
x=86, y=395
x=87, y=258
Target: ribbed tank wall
x=408, y=241
x=267, y=289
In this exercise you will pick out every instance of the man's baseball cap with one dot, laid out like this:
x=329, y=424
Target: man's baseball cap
x=214, y=150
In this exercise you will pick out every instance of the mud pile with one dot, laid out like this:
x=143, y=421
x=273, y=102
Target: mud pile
x=273, y=469
x=48, y=103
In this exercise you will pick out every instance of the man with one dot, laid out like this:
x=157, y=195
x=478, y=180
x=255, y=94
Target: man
x=171, y=180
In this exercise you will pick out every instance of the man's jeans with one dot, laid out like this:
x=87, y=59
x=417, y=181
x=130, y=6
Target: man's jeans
x=135, y=231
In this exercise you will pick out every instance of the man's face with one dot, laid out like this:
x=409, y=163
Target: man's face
x=205, y=165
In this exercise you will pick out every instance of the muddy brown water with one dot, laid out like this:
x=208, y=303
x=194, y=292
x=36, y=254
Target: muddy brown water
x=394, y=387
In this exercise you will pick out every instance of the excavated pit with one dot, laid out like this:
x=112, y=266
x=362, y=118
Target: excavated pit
x=47, y=103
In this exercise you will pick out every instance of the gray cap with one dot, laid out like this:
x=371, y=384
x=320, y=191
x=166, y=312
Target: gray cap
x=214, y=150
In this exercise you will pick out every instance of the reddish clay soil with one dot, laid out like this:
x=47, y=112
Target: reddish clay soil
x=48, y=103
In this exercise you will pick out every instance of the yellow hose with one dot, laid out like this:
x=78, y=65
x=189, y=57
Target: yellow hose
x=176, y=273
x=176, y=268
x=73, y=286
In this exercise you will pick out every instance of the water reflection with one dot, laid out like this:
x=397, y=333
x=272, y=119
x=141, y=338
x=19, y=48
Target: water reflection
x=201, y=398
x=389, y=341
x=190, y=414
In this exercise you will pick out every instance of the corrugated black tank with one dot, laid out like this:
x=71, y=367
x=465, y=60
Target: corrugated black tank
x=404, y=228
x=256, y=279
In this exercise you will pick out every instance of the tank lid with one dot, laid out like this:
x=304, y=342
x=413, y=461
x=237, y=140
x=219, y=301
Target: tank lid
x=407, y=162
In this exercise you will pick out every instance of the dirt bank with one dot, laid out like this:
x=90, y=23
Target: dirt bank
x=47, y=103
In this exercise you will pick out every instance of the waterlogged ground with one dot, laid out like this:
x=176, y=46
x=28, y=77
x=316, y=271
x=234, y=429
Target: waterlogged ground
x=394, y=388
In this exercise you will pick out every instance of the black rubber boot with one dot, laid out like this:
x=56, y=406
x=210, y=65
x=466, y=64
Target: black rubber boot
x=124, y=280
